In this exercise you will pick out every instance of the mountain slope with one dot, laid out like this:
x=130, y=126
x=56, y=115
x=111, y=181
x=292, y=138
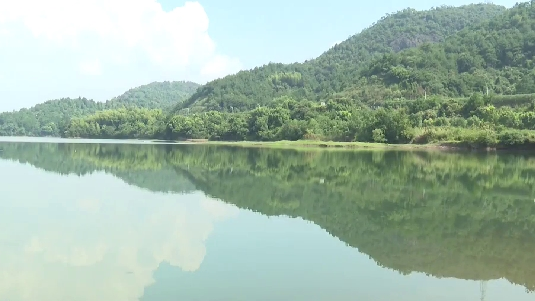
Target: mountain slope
x=498, y=55
x=49, y=118
x=156, y=95
x=338, y=68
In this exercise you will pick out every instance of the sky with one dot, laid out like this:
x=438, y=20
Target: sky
x=98, y=49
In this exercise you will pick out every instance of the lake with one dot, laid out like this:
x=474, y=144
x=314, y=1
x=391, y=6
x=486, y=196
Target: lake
x=109, y=220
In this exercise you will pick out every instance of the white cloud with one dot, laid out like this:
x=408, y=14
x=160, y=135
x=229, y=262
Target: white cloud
x=91, y=67
x=218, y=66
x=134, y=41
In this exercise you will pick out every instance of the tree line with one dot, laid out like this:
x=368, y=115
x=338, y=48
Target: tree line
x=478, y=121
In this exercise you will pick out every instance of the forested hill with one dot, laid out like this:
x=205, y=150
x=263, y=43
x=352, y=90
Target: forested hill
x=497, y=54
x=156, y=95
x=49, y=118
x=339, y=67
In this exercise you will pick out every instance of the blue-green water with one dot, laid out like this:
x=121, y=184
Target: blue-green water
x=158, y=222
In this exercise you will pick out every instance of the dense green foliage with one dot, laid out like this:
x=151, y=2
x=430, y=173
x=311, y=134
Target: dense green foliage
x=156, y=95
x=449, y=215
x=338, y=68
x=119, y=123
x=497, y=55
x=46, y=119
x=51, y=117
x=476, y=121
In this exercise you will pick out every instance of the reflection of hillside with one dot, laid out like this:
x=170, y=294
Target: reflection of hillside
x=138, y=166
x=108, y=244
x=449, y=215
x=164, y=180
x=442, y=240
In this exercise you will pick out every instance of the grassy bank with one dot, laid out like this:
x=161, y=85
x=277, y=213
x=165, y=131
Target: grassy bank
x=326, y=145
x=471, y=144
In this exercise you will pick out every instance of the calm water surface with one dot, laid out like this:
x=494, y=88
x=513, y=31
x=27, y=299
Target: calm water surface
x=103, y=221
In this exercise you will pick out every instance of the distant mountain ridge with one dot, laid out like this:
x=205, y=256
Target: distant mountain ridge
x=50, y=117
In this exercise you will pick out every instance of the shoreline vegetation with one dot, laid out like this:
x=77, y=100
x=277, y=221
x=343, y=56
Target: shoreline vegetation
x=476, y=123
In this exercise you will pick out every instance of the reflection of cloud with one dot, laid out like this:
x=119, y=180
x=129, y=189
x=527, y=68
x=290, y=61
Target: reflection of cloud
x=218, y=210
x=186, y=246
x=88, y=205
x=53, y=249
x=64, y=247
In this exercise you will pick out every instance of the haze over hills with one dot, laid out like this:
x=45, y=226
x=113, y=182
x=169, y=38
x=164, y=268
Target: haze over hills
x=50, y=118
x=339, y=67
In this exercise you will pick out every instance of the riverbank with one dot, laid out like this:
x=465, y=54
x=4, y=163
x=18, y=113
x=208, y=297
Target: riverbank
x=333, y=145
x=330, y=145
x=522, y=146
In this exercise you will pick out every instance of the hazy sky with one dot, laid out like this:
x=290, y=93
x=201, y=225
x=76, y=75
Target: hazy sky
x=100, y=48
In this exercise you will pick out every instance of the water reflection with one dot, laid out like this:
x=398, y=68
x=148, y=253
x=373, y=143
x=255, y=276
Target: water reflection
x=406, y=226
x=95, y=238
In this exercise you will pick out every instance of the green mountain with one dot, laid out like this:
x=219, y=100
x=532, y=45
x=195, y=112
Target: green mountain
x=497, y=54
x=156, y=95
x=339, y=67
x=51, y=117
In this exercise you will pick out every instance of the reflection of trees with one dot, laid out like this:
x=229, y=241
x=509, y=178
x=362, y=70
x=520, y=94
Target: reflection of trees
x=139, y=167
x=450, y=215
